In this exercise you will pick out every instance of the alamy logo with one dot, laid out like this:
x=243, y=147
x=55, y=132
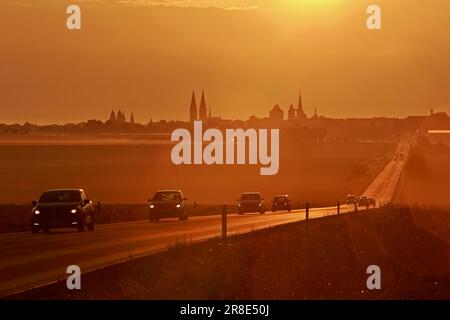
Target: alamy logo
x=221, y=149
x=74, y=280
x=73, y=22
x=374, y=280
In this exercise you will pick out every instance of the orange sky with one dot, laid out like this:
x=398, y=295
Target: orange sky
x=147, y=59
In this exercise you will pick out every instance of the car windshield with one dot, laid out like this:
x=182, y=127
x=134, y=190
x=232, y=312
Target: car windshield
x=251, y=196
x=167, y=196
x=279, y=199
x=60, y=196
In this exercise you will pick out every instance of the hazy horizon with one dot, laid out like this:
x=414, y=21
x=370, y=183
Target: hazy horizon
x=147, y=59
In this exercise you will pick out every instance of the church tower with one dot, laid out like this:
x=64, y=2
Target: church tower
x=193, y=108
x=301, y=115
x=112, y=116
x=291, y=113
x=202, y=111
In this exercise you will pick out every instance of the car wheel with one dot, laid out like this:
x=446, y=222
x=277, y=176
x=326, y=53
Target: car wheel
x=34, y=229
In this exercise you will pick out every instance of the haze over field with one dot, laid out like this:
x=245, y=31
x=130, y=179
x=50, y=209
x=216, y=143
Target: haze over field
x=147, y=59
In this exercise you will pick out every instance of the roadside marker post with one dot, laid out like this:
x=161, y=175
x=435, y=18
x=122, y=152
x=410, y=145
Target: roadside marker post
x=356, y=207
x=338, y=207
x=307, y=211
x=224, y=221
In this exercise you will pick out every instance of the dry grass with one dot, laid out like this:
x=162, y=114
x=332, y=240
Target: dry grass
x=315, y=172
x=426, y=179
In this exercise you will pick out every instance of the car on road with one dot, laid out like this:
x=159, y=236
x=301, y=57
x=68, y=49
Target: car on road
x=167, y=204
x=281, y=202
x=63, y=208
x=351, y=199
x=363, y=202
x=251, y=202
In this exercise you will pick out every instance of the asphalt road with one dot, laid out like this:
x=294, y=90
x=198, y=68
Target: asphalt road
x=31, y=260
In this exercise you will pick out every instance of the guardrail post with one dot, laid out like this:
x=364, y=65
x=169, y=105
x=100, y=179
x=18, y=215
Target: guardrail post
x=224, y=221
x=307, y=211
x=338, y=207
x=356, y=206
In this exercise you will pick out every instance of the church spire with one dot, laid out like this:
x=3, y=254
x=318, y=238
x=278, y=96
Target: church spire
x=193, y=108
x=202, y=110
x=112, y=116
x=300, y=112
x=300, y=103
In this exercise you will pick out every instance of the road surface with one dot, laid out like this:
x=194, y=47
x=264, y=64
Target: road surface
x=383, y=186
x=31, y=260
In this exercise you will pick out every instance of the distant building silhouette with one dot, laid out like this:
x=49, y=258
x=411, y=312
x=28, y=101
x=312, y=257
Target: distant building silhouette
x=193, y=108
x=301, y=115
x=291, y=113
x=119, y=117
x=276, y=114
x=202, y=111
x=112, y=116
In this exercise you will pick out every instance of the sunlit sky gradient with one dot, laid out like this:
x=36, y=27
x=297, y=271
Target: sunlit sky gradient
x=147, y=56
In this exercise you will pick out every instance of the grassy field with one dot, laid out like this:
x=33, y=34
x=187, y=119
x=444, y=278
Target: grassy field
x=132, y=173
x=426, y=179
x=325, y=259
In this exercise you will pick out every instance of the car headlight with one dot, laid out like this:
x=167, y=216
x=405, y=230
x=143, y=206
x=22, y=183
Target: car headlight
x=239, y=205
x=37, y=212
x=285, y=204
x=152, y=206
x=178, y=205
x=260, y=204
x=73, y=211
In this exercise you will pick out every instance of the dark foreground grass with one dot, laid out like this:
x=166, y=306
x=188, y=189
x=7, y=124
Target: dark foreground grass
x=325, y=259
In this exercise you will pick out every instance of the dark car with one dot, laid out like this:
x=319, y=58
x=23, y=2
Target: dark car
x=363, y=201
x=281, y=202
x=251, y=202
x=62, y=208
x=167, y=204
x=351, y=199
